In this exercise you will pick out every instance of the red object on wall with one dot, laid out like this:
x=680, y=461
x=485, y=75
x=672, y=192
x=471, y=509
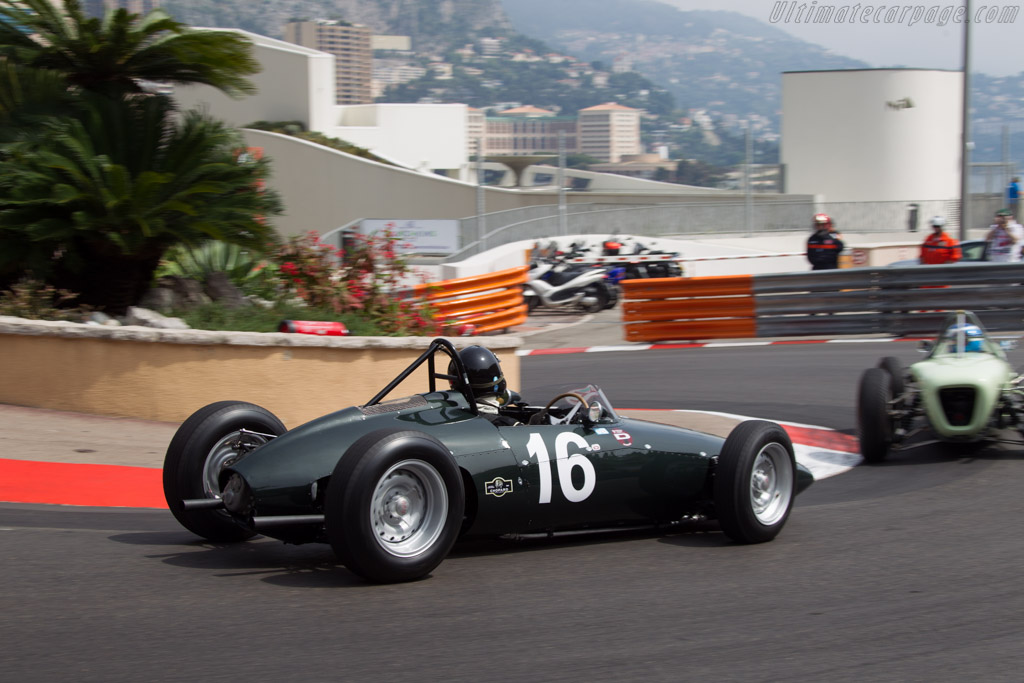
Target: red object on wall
x=322, y=328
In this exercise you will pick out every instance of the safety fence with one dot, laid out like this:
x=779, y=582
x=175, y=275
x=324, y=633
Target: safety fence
x=478, y=304
x=878, y=301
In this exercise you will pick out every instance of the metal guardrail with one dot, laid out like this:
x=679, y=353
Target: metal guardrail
x=891, y=301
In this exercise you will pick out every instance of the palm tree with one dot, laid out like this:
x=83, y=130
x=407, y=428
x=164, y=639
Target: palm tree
x=93, y=204
x=122, y=51
x=98, y=175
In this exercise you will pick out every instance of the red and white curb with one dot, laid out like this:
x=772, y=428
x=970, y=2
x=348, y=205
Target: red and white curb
x=704, y=345
x=823, y=451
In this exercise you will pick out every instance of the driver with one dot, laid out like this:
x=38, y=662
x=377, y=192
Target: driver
x=973, y=338
x=488, y=383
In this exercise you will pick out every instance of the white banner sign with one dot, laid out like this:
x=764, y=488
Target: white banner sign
x=417, y=236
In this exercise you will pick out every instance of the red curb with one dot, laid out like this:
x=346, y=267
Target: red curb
x=58, y=483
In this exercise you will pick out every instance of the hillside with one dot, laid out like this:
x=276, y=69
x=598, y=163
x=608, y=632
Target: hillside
x=722, y=62
x=433, y=24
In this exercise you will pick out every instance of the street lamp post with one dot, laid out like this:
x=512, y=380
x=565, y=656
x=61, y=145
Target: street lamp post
x=965, y=133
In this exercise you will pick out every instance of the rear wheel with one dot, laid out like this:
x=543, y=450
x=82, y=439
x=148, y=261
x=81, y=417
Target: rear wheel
x=205, y=443
x=875, y=425
x=755, y=482
x=394, y=505
x=600, y=297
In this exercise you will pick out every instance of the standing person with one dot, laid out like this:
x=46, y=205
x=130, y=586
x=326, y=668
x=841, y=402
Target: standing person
x=825, y=245
x=1013, y=197
x=1003, y=240
x=939, y=247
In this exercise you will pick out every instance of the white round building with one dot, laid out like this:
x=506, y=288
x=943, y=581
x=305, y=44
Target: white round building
x=872, y=134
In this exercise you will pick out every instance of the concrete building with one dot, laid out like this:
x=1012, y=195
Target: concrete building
x=609, y=131
x=351, y=45
x=528, y=130
x=872, y=134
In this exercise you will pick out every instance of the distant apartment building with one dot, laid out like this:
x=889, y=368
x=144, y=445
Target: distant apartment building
x=97, y=8
x=609, y=131
x=528, y=130
x=351, y=45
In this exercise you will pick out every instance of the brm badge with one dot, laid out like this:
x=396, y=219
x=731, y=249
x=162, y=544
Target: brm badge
x=498, y=487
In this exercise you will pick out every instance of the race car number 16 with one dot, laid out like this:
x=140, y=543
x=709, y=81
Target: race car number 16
x=565, y=464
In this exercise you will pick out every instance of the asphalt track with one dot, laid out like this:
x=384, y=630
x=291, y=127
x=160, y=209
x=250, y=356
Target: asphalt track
x=902, y=572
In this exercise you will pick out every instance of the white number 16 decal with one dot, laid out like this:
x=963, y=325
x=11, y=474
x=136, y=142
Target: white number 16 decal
x=565, y=464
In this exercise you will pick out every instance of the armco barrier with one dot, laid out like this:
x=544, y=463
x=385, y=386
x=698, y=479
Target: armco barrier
x=483, y=303
x=892, y=301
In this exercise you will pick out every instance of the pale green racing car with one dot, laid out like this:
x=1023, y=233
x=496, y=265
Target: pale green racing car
x=965, y=390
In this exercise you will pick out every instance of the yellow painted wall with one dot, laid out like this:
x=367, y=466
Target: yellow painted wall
x=169, y=380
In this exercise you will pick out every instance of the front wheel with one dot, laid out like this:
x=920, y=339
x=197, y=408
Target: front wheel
x=394, y=505
x=875, y=426
x=755, y=482
x=207, y=442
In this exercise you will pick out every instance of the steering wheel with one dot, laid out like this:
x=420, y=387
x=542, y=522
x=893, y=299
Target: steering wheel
x=571, y=414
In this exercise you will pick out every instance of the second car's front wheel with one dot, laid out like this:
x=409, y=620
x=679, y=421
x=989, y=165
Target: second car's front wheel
x=755, y=481
x=394, y=505
x=875, y=426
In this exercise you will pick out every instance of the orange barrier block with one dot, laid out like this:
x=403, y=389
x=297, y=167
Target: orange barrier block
x=688, y=309
x=692, y=330
x=664, y=309
x=501, y=279
x=671, y=287
x=483, y=303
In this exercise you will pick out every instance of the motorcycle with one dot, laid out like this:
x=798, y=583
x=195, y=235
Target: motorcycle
x=556, y=284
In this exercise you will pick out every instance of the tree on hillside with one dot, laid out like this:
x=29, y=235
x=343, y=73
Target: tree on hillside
x=98, y=175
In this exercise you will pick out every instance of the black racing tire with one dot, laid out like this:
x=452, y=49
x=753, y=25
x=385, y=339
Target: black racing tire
x=195, y=456
x=874, y=425
x=394, y=505
x=894, y=366
x=601, y=295
x=755, y=481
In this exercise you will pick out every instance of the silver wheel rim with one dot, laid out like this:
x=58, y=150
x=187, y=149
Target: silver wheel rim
x=771, y=484
x=408, y=508
x=217, y=459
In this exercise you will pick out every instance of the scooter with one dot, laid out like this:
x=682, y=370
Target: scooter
x=555, y=284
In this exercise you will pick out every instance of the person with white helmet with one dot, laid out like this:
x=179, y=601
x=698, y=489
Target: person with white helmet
x=824, y=245
x=939, y=247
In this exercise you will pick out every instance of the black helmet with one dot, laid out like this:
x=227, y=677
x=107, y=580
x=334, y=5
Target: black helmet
x=483, y=370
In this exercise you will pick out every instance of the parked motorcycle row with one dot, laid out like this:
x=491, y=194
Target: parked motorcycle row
x=576, y=279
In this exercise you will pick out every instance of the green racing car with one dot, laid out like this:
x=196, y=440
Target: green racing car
x=392, y=484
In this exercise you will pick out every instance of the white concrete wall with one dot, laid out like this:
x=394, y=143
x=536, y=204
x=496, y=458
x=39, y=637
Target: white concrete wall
x=843, y=138
x=423, y=137
x=295, y=84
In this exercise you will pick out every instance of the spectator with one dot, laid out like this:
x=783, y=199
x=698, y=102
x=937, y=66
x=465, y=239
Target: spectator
x=1004, y=238
x=825, y=245
x=1013, y=197
x=939, y=247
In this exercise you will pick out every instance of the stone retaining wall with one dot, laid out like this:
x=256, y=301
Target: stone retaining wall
x=166, y=375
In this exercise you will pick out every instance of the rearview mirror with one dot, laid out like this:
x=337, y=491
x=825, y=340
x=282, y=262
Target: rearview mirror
x=595, y=412
x=925, y=346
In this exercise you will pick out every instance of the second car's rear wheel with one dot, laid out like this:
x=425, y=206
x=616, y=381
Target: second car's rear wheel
x=875, y=426
x=755, y=481
x=394, y=505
